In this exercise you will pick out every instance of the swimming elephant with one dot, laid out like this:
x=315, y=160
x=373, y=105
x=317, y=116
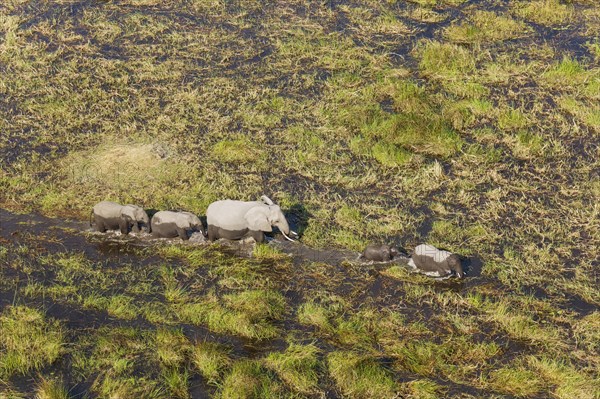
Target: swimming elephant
x=431, y=261
x=380, y=253
x=168, y=224
x=238, y=219
x=109, y=215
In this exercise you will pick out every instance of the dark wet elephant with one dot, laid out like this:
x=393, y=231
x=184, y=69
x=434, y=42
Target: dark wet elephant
x=380, y=253
x=431, y=261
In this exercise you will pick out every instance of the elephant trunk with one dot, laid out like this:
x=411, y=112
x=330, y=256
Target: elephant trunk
x=284, y=227
x=146, y=226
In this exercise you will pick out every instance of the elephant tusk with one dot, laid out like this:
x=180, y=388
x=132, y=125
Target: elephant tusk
x=288, y=238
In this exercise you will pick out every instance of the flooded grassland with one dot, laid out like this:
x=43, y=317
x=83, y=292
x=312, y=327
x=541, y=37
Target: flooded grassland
x=470, y=125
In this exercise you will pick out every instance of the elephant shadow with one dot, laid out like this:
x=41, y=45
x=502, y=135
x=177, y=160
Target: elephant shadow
x=151, y=212
x=297, y=217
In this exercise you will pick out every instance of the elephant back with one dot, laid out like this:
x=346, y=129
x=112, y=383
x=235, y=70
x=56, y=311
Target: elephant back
x=108, y=209
x=229, y=214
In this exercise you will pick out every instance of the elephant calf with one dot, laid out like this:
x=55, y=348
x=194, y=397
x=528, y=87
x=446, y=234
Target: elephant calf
x=431, y=261
x=109, y=215
x=380, y=253
x=167, y=224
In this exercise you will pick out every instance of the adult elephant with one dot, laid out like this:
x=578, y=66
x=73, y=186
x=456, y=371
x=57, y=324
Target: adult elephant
x=238, y=219
x=168, y=224
x=109, y=215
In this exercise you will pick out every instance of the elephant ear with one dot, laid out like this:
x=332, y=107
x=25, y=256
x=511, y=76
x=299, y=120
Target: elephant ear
x=257, y=219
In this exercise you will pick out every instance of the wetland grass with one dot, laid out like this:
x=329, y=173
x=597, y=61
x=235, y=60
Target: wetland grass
x=360, y=376
x=29, y=341
x=469, y=126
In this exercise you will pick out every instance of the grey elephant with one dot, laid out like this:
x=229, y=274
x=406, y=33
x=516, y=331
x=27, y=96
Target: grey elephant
x=431, y=261
x=235, y=220
x=168, y=224
x=380, y=253
x=109, y=215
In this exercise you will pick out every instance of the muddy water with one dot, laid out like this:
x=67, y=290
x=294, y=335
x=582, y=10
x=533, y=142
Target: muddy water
x=69, y=235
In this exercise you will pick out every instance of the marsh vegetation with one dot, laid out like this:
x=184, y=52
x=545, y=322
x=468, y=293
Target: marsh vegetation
x=473, y=126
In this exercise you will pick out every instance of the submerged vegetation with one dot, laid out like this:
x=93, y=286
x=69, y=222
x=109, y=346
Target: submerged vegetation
x=473, y=126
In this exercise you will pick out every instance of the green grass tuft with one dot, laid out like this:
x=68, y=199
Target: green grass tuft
x=486, y=26
x=28, y=341
x=248, y=379
x=360, y=376
x=171, y=347
x=249, y=313
x=298, y=367
x=241, y=150
x=211, y=360
x=544, y=12
x=517, y=381
x=51, y=389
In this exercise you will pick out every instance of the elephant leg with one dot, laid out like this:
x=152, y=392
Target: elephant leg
x=258, y=236
x=213, y=233
x=99, y=222
x=182, y=234
x=135, y=227
x=124, y=226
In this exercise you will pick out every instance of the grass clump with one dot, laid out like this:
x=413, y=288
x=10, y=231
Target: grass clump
x=390, y=155
x=569, y=72
x=51, y=389
x=112, y=357
x=452, y=358
x=452, y=66
x=360, y=376
x=211, y=359
x=248, y=313
x=119, y=306
x=176, y=382
x=28, y=341
x=486, y=26
x=171, y=347
x=526, y=145
x=248, y=379
x=569, y=382
x=314, y=314
x=424, y=389
x=264, y=251
x=587, y=331
x=445, y=61
x=515, y=380
x=545, y=12
x=512, y=119
x=389, y=120
x=298, y=367
x=240, y=150
x=586, y=113
x=522, y=326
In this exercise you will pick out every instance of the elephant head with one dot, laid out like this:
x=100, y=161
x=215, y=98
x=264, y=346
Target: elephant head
x=455, y=264
x=263, y=217
x=136, y=217
x=195, y=223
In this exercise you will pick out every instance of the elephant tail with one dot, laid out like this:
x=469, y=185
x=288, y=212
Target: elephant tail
x=91, y=216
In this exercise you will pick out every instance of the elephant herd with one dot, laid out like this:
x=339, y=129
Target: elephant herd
x=229, y=219
x=234, y=220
